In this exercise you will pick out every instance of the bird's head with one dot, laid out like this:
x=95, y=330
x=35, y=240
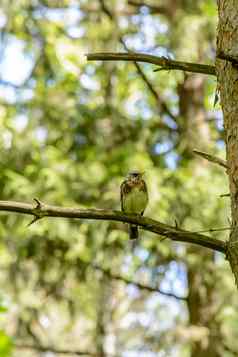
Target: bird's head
x=135, y=175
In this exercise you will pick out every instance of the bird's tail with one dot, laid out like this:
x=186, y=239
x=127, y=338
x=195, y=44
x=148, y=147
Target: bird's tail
x=133, y=232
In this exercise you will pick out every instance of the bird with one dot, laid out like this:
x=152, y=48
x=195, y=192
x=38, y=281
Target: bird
x=134, y=198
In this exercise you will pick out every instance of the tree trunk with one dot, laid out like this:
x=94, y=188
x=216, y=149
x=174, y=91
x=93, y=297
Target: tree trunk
x=102, y=314
x=227, y=43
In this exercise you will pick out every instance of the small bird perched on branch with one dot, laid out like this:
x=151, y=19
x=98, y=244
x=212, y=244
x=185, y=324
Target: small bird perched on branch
x=134, y=197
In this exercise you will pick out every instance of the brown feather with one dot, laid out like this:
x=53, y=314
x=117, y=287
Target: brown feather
x=125, y=189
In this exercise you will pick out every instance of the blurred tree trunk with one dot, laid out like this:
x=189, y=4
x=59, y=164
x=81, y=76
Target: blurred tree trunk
x=102, y=316
x=227, y=71
x=202, y=294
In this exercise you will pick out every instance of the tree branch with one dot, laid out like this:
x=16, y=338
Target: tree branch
x=159, y=100
x=105, y=9
x=162, y=104
x=211, y=158
x=41, y=210
x=154, y=92
x=163, y=62
x=228, y=57
x=154, y=9
x=52, y=349
x=141, y=286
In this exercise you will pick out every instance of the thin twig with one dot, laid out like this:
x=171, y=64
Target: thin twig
x=156, y=60
x=225, y=195
x=145, y=223
x=211, y=158
x=214, y=230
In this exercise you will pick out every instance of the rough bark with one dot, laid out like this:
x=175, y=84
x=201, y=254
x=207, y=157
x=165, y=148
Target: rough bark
x=102, y=311
x=227, y=43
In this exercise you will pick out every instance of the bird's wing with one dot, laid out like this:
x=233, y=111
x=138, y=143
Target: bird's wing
x=124, y=189
x=143, y=188
x=121, y=194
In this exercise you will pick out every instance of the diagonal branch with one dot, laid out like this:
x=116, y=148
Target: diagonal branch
x=154, y=9
x=162, y=104
x=44, y=210
x=154, y=92
x=105, y=9
x=141, y=286
x=163, y=62
x=211, y=158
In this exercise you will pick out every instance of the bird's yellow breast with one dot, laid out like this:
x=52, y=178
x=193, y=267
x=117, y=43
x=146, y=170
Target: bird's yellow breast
x=135, y=201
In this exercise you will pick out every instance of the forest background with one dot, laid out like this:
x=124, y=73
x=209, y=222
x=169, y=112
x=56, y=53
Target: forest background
x=71, y=129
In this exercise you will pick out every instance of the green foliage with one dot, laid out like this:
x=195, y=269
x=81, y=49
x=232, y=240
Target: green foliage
x=5, y=345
